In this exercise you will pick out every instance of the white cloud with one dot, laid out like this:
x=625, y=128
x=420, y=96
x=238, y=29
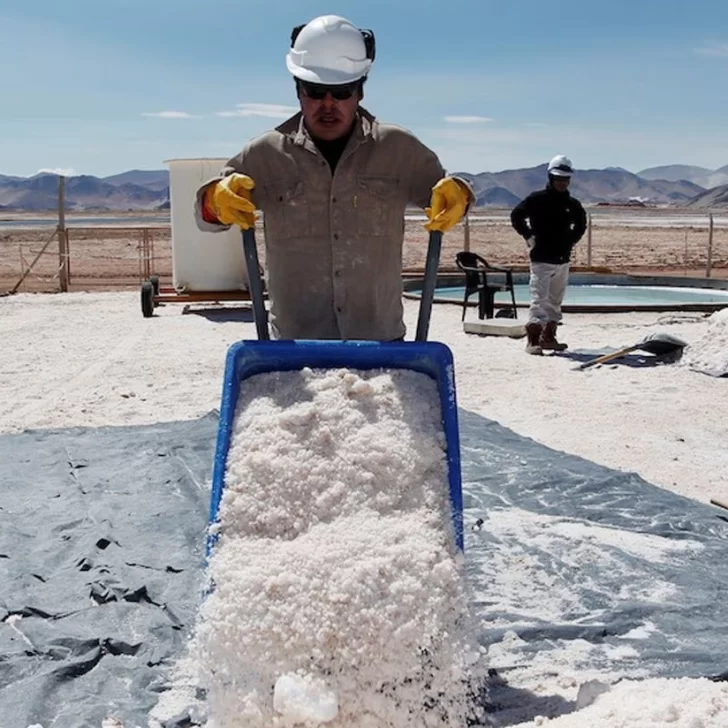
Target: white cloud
x=271, y=111
x=467, y=119
x=63, y=171
x=169, y=115
x=716, y=50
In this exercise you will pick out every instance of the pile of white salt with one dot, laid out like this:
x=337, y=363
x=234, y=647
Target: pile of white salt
x=339, y=596
x=709, y=354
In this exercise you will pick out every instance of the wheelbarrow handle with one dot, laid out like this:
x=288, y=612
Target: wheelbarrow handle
x=428, y=286
x=256, y=284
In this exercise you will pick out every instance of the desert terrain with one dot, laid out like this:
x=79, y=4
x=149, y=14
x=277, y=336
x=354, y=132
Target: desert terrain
x=670, y=241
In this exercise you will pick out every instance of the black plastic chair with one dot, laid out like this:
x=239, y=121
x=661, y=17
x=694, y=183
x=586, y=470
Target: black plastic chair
x=476, y=269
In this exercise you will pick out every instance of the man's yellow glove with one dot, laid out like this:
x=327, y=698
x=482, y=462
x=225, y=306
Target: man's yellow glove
x=450, y=200
x=229, y=200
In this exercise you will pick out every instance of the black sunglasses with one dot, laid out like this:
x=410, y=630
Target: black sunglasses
x=318, y=91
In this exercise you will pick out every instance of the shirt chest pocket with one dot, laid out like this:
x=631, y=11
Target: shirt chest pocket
x=286, y=211
x=379, y=205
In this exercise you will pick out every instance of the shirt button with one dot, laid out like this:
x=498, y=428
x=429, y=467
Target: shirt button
x=337, y=273
x=338, y=309
x=333, y=199
x=336, y=236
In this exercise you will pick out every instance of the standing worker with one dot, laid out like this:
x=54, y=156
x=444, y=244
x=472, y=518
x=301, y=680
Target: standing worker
x=333, y=184
x=552, y=222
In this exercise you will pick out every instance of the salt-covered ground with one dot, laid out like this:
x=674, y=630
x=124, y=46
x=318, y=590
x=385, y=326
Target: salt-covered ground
x=92, y=360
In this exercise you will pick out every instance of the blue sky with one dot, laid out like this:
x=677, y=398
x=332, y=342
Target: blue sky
x=90, y=86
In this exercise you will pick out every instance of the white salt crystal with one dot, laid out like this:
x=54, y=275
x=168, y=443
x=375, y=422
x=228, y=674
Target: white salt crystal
x=304, y=699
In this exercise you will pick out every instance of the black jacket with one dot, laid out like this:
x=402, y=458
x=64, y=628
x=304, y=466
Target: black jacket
x=555, y=219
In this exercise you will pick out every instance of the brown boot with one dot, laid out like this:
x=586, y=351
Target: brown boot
x=533, y=332
x=548, y=338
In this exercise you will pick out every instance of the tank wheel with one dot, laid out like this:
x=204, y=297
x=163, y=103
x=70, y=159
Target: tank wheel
x=154, y=280
x=147, y=299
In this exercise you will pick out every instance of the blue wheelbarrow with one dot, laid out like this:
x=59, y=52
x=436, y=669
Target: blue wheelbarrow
x=248, y=358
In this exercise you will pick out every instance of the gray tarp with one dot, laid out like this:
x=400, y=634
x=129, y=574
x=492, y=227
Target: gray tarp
x=101, y=552
x=636, y=573
x=102, y=548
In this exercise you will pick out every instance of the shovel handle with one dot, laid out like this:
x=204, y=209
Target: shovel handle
x=608, y=357
x=428, y=286
x=719, y=503
x=256, y=284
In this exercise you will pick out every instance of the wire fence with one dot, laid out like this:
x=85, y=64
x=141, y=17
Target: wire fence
x=97, y=258
x=115, y=257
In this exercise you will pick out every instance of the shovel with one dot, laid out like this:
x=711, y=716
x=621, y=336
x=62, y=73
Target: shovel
x=657, y=343
x=256, y=284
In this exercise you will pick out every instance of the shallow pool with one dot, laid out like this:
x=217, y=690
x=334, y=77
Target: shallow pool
x=603, y=295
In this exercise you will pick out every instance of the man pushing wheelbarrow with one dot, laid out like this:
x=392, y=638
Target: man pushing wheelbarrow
x=333, y=183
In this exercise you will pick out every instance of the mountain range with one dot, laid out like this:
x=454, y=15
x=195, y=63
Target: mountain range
x=148, y=190
x=137, y=190
x=656, y=186
x=707, y=178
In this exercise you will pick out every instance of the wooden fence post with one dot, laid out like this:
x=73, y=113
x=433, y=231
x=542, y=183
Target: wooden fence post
x=68, y=256
x=589, y=240
x=62, y=239
x=709, y=264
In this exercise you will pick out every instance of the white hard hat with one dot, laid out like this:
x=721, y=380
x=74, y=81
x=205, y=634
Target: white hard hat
x=561, y=166
x=330, y=50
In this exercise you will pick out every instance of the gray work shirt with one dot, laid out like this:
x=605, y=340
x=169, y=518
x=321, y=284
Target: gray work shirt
x=334, y=241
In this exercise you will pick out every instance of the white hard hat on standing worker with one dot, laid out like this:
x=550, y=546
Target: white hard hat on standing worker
x=331, y=51
x=561, y=166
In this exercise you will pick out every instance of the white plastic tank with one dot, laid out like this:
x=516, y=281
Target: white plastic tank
x=201, y=261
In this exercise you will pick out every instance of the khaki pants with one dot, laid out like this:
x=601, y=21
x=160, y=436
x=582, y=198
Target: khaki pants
x=548, y=285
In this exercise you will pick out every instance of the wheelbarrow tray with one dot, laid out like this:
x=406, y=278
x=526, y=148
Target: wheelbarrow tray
x=247, y=358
